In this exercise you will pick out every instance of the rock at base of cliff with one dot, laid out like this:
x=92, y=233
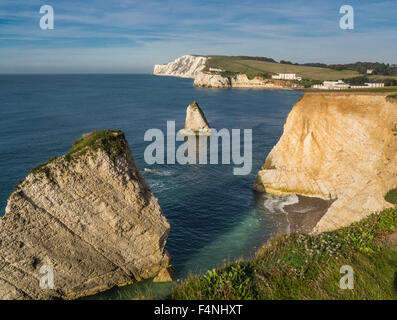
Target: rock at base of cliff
x=196, y=123
x=165, y=275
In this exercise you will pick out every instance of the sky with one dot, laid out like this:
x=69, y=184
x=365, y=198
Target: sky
x=128, y=36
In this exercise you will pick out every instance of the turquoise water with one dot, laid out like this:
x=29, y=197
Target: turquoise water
x=215, y=216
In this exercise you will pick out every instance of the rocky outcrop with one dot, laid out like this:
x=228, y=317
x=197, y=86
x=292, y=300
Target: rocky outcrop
x=209, y=80
x=187, y=66
x=89, y=217
x=195, y=123
x=242, y=81
x=339, y=146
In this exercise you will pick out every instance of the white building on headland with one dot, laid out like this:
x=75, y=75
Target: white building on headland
x=332, y=85
x=359, y=86
x=375, y=84
x=286, y=76
x=368, y=85
x=340, y=85
x=216, y=70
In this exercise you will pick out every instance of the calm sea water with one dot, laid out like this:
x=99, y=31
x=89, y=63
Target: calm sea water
x=215, y=216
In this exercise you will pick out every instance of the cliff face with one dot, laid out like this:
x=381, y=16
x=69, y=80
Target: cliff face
x=208, y=80
x=187, y=66
x=90, y=216
x=340, y=146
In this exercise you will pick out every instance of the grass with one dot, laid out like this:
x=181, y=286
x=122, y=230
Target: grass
x=300, y=266
x=379, y=77
x=111, y=141
x=391, y=196
x=252, y=68
x=392, y=97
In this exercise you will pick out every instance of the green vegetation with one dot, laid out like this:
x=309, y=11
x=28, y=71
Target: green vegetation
x=194, y=105
x=388, y=81
x=308, y=83
x=312, y=73
x=360, y=80
x=228, y=74
x=255, y=58
x=111, y=141
x=392, y=97
x=362, y=67
x=43, y=167
x=391, y=196
x=253, y=67
x=300, y=266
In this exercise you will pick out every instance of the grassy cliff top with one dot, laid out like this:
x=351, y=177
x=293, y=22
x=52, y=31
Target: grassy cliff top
x=300, y=266
x=113, y=142
x=255, y=67
x=392, y=97
x=252, y=66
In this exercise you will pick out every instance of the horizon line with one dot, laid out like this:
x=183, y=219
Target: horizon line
x=72, y=73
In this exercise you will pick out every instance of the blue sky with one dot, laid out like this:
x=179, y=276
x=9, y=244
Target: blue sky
x=131, y=36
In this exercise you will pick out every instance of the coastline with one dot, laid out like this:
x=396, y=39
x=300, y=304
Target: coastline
x=241, y=87
x=195, y=67
x=228, y=83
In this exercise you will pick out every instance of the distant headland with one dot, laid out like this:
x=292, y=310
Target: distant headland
x=213, y=71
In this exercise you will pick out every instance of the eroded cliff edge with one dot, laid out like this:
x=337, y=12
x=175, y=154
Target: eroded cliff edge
x=340, y=146
x=189, y=66
x=186, y=66
x=90, y=216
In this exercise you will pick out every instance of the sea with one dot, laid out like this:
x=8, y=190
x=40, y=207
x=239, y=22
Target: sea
x=215, y=216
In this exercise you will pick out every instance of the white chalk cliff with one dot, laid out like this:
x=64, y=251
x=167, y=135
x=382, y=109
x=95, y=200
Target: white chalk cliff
x=340, y=146
x=187, y=66
x=90, y=217
x=195, y=123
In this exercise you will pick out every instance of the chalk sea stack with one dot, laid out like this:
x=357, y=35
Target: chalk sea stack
x=90, y=216
x=196, y=123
